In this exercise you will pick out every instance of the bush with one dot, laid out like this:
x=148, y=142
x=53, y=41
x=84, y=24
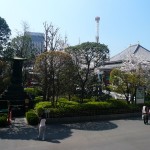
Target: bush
x=41, y=107
x=38, y=99
x=86, y=100
x=45, y=104
x=75, y=98
x=3, y=120
x=54, y=112
x=134, y=108
x=32, y=118
x=118, y=104
x=71, y=108
x=62, y=102
x=33, y=91
x=97, y=105
x=39, y=111
x=147, y=103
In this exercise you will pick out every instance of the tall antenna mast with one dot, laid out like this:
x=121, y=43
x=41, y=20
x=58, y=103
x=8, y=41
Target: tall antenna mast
x=97, y=23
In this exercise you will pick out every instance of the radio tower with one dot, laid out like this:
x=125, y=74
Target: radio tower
x=97, y=23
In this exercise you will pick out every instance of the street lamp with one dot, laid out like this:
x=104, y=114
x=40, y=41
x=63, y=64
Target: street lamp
x=100, y=81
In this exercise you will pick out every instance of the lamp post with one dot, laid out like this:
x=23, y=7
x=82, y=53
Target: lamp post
x=100, y=81
x=128, y=92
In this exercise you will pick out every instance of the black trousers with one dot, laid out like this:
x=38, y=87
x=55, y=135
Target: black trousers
x=145, y=118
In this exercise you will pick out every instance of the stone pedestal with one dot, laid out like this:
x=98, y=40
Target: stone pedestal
x=15, y=96
x=15, y=90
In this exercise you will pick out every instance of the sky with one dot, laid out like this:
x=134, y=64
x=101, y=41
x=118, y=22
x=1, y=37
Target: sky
x=122, y=22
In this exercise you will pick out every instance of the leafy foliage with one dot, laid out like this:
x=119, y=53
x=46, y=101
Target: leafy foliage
x=71, y=109
x=125, y=83
x=86, y=58
x=54, y=67
x=32, y=118
x=23, y=47
x=32, y=91
x=3, y=120
x=43, y=105
x=5, y=33
x=4, y=75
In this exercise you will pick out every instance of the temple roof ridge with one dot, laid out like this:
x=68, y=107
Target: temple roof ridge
x=136, y=49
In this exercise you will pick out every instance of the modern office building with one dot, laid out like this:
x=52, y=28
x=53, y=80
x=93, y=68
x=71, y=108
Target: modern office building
x=37, y=41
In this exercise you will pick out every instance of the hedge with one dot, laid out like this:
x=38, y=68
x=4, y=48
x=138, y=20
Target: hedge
x=67, y=108
x=32, y=117
x=3, y=120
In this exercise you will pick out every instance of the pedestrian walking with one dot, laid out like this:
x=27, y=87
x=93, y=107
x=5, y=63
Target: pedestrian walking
x=42, y=127
x=145, y=113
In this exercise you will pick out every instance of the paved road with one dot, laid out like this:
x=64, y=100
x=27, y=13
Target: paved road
x=125, y=134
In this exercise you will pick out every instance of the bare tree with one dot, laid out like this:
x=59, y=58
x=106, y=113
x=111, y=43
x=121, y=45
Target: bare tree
x=25, y=27
x=52, y=38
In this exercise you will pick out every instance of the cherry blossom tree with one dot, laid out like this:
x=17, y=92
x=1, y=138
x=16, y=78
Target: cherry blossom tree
x=134, y=72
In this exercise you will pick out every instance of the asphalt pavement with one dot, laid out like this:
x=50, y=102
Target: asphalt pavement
x=123, y=134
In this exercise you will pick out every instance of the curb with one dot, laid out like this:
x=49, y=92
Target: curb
x=92, y=118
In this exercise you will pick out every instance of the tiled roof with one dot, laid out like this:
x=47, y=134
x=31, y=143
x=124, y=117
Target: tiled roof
x=137, y=50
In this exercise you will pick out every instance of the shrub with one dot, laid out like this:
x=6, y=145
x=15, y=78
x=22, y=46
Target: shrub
x=33, y=91
x=97, y=105
x=54, y=112
x=133, y=107
x=119, y=104
x=62, y=102
x=38, y=99
x=86, y=100
x=32, y=118
x=39, y=111
x=147, y=103
x=45, y=104
x=3, y=120
x=71, y=108
x=41, y=106
x=75, y=98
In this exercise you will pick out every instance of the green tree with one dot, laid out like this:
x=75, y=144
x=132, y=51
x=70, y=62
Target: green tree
x=87, y=57
x=5, y=33
x=51, y=67
x=4, y=75
x=125, y=83
x=67, y=78
x=133, y=73
x=22, y=46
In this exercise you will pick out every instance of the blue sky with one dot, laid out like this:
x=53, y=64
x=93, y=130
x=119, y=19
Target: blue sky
x=122, y=22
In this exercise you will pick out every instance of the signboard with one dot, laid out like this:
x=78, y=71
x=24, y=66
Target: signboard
x=140, y=94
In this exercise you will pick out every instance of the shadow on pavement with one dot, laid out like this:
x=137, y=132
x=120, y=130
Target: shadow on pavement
x=94, y=126
x=20, y=131
x=54, y=133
